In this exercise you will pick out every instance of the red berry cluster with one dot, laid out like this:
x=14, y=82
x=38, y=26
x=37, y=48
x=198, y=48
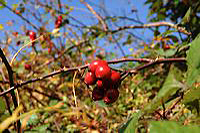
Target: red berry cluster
x=58, y=22
x=106, y=81
x=32, y=36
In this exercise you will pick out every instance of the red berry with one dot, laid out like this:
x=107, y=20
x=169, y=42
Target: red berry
x=17, y=12
x=115, y=77
x=59, y=18
x=32, y=36
x=58, y=23
x=94, y=64
x=27, y=66
x=49, y=50
x=99, y=83
x=97, y=94
x=103, y=72
x=90, y=78
x=111, y=96
x=167, y=47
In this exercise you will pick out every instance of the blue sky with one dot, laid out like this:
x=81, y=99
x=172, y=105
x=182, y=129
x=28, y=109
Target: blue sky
x=113, y=8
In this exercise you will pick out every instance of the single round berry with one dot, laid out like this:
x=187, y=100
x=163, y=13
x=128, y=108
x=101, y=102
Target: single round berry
x=111, y=96
x=32, y=36
x=94, y=64
x=167, y=47
x=103, y=72
x=115, y=77
x=59, y=18
x=58, y=23
x=99, y=83
x=27, y=66
x=97, y=94
x=90, y=78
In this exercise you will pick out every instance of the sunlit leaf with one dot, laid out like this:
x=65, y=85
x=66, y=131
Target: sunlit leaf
x=191, y=95
x=171, y=127
x=2, y=1
x=187, y=16
x=193, y=61
x=131, y=125
x=1, y=27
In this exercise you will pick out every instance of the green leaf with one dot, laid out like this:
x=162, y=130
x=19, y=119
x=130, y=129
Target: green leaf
x=166, y=53
x=170, y=86
x=193, y=62
x=33, y=120
x=1, y=6
x=42, y=128
x=192, y=95
x=187, y=16
x=53, y=102
x=102, y=104
x=132, y=125
x=2, y=105
x=171, y=127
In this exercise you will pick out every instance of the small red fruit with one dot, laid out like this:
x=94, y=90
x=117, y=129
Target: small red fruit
x=115, y=77
x=90, y=78
x=97, y=94
x=99, y=83
x=58, y=23
x=103, y=72
x=94, y=64
x=59, y=18
x=111, y=96
x=27, y=66
x=17, y=12
x=32, y=36
x=167, y=47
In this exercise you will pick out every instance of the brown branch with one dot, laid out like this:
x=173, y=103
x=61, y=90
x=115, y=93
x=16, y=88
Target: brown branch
x=156, y=24
x=150, y=62
x=11, y=80
x=130, y=59
x=4, y=82
x=101, y=20
x=157, y=61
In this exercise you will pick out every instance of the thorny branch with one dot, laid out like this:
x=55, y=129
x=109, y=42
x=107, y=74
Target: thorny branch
x=149, y=62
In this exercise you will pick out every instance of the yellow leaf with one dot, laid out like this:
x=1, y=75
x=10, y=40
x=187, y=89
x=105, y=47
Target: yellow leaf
x=1, y=27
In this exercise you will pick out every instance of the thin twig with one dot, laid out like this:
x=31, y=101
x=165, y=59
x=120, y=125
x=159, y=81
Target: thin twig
x=101, y=20
x=157, y=61
x=155, y=24
x=74, y=91
x=28, y=44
